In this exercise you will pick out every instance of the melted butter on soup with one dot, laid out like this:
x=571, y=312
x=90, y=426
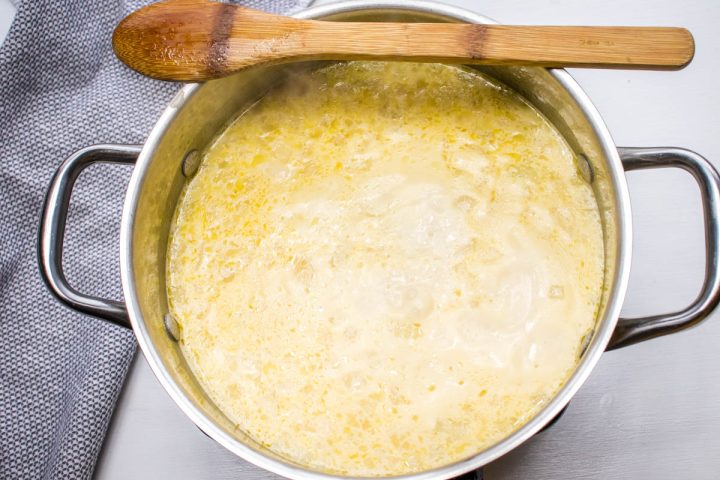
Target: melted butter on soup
x=381, y=268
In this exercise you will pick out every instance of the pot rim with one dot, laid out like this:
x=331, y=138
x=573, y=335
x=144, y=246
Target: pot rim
x=606, y=325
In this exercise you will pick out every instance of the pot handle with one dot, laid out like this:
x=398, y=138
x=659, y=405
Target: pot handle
x=634, y=330
x=52, y=230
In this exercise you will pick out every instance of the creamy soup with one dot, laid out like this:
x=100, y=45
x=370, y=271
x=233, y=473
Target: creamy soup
x=382, y=268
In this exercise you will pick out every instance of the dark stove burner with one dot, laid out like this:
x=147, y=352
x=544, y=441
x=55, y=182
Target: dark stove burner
x=474, y=475
x=554, y=420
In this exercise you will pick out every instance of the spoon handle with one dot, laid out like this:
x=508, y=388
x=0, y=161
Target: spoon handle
x=548, y=46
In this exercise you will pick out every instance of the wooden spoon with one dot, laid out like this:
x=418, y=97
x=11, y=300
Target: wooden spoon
x=195, y=40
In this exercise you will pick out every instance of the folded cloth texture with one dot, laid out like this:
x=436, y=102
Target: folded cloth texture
x=61, y=89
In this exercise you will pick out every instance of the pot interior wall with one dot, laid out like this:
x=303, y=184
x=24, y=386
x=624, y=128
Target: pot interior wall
x=209, y=107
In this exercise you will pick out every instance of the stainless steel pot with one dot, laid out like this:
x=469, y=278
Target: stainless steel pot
x=199, y=111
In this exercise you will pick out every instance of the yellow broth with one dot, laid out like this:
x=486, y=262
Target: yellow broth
x=382, y=268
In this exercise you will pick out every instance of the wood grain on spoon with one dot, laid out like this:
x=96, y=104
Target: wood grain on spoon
x=196, y=40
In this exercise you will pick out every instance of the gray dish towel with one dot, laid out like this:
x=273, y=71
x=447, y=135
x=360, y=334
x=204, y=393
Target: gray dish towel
x=61, y=89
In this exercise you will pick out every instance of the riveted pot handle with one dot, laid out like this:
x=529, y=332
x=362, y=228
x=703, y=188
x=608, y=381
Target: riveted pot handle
x=633, y=330
x=52, y=230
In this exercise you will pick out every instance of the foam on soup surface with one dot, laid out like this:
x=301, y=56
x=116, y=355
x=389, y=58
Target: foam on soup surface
x=381, y=268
